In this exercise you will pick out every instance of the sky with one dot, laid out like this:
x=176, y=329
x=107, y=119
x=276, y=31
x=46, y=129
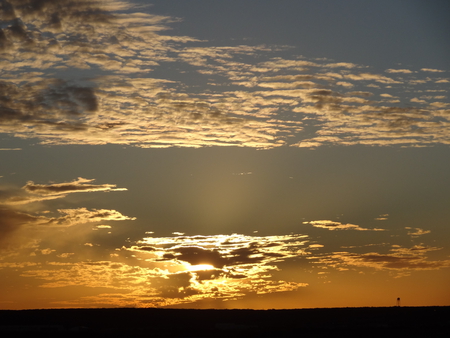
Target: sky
x=234, y=154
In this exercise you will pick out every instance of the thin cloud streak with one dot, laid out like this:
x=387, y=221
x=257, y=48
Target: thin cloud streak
x=332, y=225
x=32, y=192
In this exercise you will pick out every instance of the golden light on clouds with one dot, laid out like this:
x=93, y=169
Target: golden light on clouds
x=151, y=159
x=264, y=102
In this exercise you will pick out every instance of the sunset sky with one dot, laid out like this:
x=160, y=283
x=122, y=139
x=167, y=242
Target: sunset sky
x=224, y=154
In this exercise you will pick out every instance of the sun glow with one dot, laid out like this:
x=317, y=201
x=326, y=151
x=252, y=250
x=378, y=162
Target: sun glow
x=200, y=267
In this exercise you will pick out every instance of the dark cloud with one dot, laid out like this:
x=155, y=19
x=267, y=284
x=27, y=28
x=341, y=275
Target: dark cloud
x=326, y=98
x=197, y=255
x=231, y=257
x=219, y=267
x=7, y=10
x=18, y=32
x=11, y=220
x=252, y=253
x=51, y=11
x=360, y=93
x=45, y=101
x=4, y=42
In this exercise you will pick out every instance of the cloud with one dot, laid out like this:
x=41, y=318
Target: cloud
x=223, y=251
x=32, y=192
x=404, y=71
x=93, y=72
x=82, y=216
x=399, y=259
x=162, y=271
x=220, y=266
x=103, y=226
x=344, y=84
x=371, y=77
x=181, y=269
x=416, y=232
x=432, y=70
x=79, y=185
x=19, y=222
x=12, y=222
x=330, y=225
x=382, y=217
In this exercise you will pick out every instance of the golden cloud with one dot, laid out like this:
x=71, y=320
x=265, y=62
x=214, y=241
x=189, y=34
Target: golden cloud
x=331, y=225
x=119, y=102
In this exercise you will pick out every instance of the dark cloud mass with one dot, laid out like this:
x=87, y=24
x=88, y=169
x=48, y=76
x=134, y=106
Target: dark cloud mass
x=52, y=104
x=196, y=255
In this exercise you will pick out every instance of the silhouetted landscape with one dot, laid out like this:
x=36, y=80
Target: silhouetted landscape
x=130, y=322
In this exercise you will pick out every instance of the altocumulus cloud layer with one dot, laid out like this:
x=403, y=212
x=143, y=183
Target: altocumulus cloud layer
x=91, y=72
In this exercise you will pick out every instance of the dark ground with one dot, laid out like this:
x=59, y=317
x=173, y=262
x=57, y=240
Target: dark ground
x=366, y=322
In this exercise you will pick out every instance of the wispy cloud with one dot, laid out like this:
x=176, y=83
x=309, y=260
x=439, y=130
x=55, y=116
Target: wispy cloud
x=79, y=185
x=32, y=192
x=416, y=232
x=332, y=225
x=432, y=70
x=82, y=216
x=400, y=260
x=382, y=217
x=15, y=213
x=404, y=71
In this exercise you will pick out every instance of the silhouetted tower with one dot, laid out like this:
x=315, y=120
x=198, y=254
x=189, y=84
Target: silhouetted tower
x=398, y=302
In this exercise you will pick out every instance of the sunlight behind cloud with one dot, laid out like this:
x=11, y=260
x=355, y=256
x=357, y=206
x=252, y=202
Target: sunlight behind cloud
x=200, y=267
